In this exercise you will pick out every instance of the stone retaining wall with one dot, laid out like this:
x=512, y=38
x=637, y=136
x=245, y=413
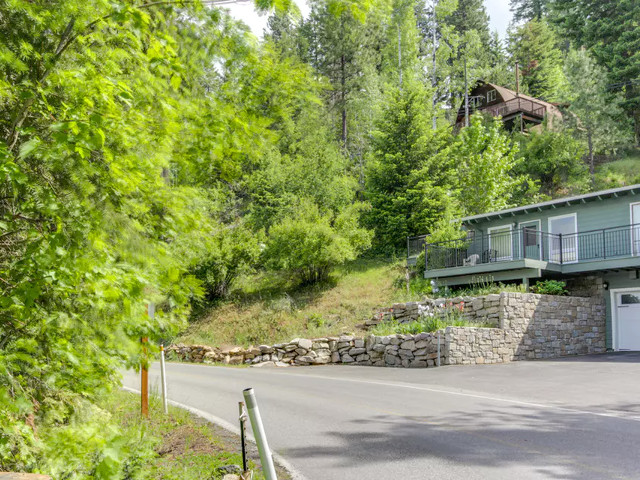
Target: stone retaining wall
x=529, y=326
x=485, y=309
x=418, y=350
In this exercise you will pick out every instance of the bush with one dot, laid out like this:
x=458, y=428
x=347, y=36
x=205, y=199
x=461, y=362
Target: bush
x=309, y=245
x=233, y=252
x=550, y=287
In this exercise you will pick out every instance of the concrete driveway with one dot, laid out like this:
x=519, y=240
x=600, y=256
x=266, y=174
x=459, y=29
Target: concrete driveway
x=575, y=418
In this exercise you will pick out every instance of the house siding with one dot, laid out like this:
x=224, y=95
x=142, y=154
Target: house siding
x=593, y=215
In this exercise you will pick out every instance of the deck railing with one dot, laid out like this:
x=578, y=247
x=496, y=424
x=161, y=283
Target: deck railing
x=527, y=243
x=503, y=109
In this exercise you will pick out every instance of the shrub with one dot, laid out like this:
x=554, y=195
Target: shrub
x=310, y=244
x=550, y=287
x=233, y=252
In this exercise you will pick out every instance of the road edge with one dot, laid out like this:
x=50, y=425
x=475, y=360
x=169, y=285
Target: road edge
x=291, y=470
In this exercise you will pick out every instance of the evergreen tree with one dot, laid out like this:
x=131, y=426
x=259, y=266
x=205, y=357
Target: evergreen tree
x=406, y=183
x=525, y=10
x=609, y=30
x=595, y=112
x=534, y=46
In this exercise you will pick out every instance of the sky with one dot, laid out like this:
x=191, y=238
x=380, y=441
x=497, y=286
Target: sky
x=498, y=10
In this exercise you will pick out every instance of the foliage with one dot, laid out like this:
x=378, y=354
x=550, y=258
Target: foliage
x=309, y=244
x=534, y=46
x=448, y=317
x=554, y=159
x=609, y=30
x=484, y=160
x=233, y=251
x=406, y=182
x=525, y=10
x=595, y=112
x=550, y=287
x=480, y=286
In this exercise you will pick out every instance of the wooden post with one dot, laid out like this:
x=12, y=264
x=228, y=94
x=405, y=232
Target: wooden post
x=144, y=377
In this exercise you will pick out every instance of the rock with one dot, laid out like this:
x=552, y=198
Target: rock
x=282, y=364
x=356, y=351
x=358, y=343
x=236, y=360
x=263, y=364
x=229, y=469
x=335, y=357
x=346, y=358
x=305, y=343
x=408, y=345
x=265, y=349
x=231, y=476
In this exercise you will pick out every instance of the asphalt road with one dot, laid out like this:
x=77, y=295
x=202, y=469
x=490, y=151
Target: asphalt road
x=575, y=418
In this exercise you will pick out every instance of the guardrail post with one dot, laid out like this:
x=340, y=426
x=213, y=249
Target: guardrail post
x=144, y=381
x=266, y=460
x=438, y=357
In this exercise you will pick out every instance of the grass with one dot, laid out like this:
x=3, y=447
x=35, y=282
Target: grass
x=186, y=447
x=619, y=172
x=269, y=308
x=450, y=318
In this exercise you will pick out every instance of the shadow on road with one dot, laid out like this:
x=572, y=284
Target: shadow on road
x=547, y=443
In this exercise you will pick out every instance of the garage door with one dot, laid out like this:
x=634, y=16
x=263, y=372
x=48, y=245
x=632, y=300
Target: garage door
x=628, y=319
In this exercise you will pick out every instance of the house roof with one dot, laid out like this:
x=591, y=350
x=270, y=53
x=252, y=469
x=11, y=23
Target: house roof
x=508, y=94
x=602, y=194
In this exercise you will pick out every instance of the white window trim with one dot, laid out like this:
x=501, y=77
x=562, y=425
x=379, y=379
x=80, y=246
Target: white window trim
x=493, y=96
x=539, y=222
x=575, y=222
x=633, y=230
x=510, y=226
x=613, y=301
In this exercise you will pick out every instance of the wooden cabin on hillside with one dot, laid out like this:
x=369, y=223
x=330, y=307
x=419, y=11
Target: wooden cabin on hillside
x=518, y=111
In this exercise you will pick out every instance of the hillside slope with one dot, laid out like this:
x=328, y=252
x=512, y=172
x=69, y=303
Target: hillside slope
x=270, y=310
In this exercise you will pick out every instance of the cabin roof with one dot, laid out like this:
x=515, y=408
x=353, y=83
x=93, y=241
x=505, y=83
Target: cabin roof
x=601, y=195
x=508, y=94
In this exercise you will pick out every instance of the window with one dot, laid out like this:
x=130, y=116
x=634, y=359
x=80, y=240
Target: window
x=491, y=96
x=500, y=244
x=629, y=299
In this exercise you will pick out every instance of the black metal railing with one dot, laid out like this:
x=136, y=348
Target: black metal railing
x=415, y=245
x=528, y=243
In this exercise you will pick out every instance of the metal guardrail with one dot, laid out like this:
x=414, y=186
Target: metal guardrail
x=526, y=243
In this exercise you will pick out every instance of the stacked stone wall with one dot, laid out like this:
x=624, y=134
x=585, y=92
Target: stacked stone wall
x=528, y=326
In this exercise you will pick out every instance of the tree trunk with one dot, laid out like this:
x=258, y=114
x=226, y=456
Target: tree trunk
x=343, y=94
x=592, y=167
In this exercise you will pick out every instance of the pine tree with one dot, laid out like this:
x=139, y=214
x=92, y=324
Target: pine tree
x=534, y=46
x=406, y=182
x=609, y=29
x=595, y=112
x=525, y=10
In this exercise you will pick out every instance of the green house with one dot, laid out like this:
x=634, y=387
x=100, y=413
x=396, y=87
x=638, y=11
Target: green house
x=593, y=237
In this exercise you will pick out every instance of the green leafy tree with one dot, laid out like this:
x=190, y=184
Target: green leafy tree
x=534, y=46
x=309, y=244
x=554, y=159
x=484, y=160
x=595, y=112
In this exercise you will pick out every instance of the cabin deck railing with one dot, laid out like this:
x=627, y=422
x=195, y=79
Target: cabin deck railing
x=526, y=243
x=503, y=109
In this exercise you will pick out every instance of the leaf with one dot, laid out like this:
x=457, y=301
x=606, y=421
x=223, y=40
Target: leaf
x=29, y=147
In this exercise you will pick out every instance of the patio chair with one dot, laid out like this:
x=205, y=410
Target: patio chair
x=471, y=260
